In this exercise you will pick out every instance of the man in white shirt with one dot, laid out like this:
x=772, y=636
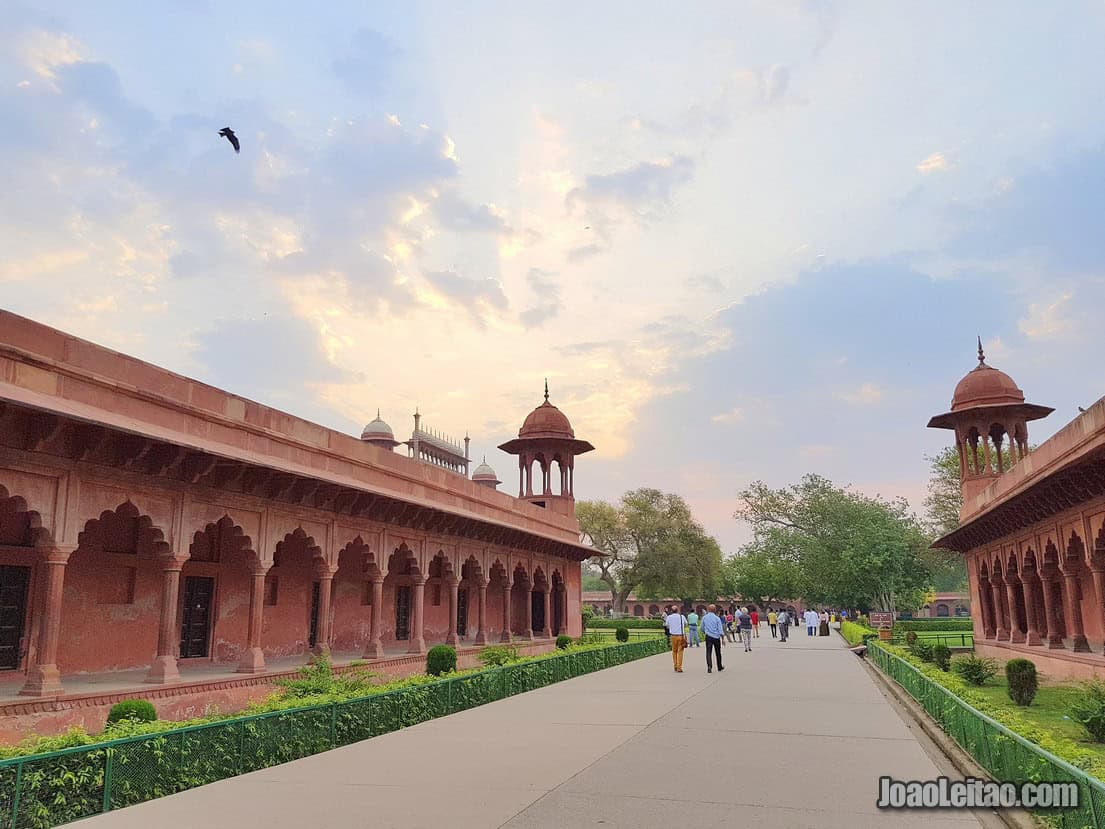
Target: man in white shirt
x=677, y=627
x=811, y=622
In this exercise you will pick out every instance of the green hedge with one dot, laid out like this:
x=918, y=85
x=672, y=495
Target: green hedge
x=933, y=624
x=855, y=633
x=631, y=623
x=43, y=790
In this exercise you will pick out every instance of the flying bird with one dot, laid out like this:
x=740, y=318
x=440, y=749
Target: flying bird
x=1081, y=410
x=228, y=134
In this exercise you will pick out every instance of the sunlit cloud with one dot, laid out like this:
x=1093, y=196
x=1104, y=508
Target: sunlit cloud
x=866, y=395
x=933, y=163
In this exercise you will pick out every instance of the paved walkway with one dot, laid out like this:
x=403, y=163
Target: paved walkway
x=791, y=735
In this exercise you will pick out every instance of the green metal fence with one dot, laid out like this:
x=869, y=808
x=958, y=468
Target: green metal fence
x=44, y=790
x=1006, y=755
x=951, y=639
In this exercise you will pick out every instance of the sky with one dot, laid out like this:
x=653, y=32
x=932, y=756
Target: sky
x=742, y=240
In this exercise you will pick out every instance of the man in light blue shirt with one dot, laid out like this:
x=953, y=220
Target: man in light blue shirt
x=692, y=624
x=713, y=629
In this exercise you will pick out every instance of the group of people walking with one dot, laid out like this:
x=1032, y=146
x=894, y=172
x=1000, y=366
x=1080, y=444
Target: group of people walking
x=735, y=625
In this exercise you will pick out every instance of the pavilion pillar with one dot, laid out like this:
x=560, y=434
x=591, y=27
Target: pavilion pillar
x=375, y=647
x=44, y=678
x=546, y=631
x=986, y=608
x=1080, y=645
x=481, y=634
x=164, y=668
x=418, y=635
x=253, y=659
x=1015, y=632
x=505, y=635
x=325, y=591
x=1001, y=633
x=1028, y=592
x=1098, y=572
x=1054, y=640
x=454, y=588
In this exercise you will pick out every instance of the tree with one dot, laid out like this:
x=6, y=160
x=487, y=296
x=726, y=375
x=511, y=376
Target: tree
x=758, y=574
x=651, y=543
x=847, y=549
x=944, y=498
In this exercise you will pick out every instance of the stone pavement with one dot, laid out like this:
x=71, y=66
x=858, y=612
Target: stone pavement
x=791, y=735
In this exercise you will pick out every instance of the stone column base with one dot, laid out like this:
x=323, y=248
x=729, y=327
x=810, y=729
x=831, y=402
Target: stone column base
x=451, y=639
x=481, y=639
x=417, y=645
x=253, y=662
x=1033, y=638
x=163, y=670
x=374, y=650
x=42, y=681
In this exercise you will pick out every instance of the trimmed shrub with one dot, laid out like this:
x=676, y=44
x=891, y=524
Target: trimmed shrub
x=1023, y=684
x=563, y=641
x=856, y=634
x=498, y=655
x=441, y=659
x=588, y=614
x=138, y=710
x=911, y=638
x=622, y=634
x=942, y=656
x=976, y=670
x=922, y=650
x=942, y=624
x=632, y=623
x=1089, y=709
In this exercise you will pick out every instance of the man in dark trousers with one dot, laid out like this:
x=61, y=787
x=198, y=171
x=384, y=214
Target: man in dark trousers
x=713, y=628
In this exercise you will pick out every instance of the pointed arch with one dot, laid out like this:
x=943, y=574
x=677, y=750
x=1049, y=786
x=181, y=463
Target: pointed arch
x=20, y=526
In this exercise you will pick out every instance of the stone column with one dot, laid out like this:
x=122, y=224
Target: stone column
x=1001, y=633
x=418, y=635
x=1032, y=636
x=505, y=635
x=164, y=668
x=454, y=588
x=547, y=630
x=253, y=659
x=1099, y=585
x=1080, y=644
x=481, y=634
x=1054, y=640
x=44, y=678
x=322, y=633
x=1015, y=632
x=986, y=609
x=374, y=649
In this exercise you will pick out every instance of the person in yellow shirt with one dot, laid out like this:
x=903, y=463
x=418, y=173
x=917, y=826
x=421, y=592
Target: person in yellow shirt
x=772, y=621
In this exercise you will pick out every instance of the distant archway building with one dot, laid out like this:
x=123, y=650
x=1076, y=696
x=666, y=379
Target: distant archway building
x=1032, y=526
x=150, y=522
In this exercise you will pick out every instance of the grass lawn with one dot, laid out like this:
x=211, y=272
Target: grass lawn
x=1047, y=710
x=951, y=638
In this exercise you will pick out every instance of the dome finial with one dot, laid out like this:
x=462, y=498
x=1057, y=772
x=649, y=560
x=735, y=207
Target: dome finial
x=981, y=356
x=546, y=389
x=377, y=413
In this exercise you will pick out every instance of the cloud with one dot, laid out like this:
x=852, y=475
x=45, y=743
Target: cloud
x=478, y=296
x=866, y=395
x=734, y=415
x=933, y=163
x=366, y=66
x=775, y=83
x=548, y=303
x=1047, y=320
x=584, y=252
x=644, y=190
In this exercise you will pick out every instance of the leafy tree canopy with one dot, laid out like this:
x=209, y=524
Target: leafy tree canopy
x=845, y=548
x=652, y=545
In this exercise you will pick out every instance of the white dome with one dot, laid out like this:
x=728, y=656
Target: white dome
x=483, y=471
x=377, y=430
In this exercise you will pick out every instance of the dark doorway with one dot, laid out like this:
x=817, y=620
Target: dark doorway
x=195, y=626
x=312, y=635
x=557, y=611
x=462, y=612
x=13, y=610
x=537, y=608
x=403, y=612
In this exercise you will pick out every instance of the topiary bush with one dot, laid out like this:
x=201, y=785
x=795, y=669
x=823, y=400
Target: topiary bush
x=139, y=710
x=976, y=670
x=942, y=656
x=1020, y=674
x=441, y=659
x=622, y=634
x=911, y=638
x=922, y=650
x=1088, y=710
x=498, y=655
x=563, y=641
x=588, y=613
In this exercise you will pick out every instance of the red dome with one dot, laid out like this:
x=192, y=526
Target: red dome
x=546, y=421
x=985, y=386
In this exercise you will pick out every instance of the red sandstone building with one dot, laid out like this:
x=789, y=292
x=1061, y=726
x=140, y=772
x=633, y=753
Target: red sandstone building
x=157, y=530
x=1032, y=526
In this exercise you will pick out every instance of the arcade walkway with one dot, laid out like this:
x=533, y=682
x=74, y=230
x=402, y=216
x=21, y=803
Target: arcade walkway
x=788, y=736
